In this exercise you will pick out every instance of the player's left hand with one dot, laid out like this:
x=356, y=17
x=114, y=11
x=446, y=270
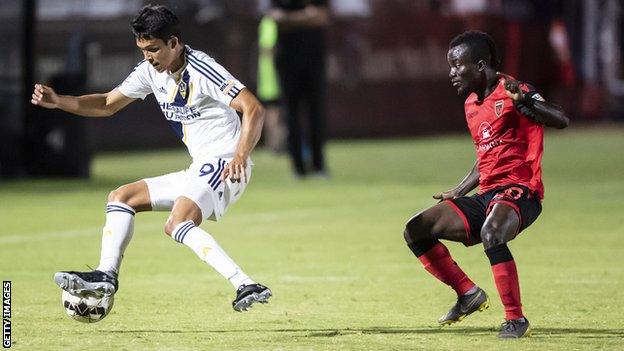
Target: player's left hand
x=235, y=170
x=512, y=88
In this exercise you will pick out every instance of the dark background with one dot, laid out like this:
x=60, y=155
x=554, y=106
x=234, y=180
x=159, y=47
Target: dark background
x=387, y=67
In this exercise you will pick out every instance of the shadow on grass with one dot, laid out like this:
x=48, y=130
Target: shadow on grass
x=592, y=333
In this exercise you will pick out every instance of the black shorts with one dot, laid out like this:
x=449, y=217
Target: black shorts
x=474, y=209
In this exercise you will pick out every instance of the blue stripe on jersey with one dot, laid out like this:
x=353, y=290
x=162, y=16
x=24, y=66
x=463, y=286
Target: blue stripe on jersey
x=177, y=128
x=137, y=65
x=233, y=93
x=204, y=72
x=207, y=66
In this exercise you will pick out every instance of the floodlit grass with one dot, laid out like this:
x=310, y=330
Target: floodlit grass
x=331, y=250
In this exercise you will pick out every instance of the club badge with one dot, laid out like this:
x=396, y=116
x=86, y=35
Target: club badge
x=498, y=107
x=182, y=89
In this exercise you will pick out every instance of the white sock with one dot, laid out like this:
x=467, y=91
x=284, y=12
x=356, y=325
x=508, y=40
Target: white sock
x=209, y=251
x=116, y=235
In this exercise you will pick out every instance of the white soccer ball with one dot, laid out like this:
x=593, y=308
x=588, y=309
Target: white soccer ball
x=86, y=309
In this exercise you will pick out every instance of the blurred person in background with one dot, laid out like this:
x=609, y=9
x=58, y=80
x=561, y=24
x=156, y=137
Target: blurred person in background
x=268, y=89
x=300, y=60
x=506, y=119
x=199, y=99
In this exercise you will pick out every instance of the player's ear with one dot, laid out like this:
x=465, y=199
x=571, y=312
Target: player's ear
x=481, y=65
x=173, y=41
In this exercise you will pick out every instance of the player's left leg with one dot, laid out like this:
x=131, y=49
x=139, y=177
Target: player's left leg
x=123, y=203
x=501, y=225
x=446, y=221
x=182, y=226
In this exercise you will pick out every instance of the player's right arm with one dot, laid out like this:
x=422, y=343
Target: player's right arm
x=467, y=184
x=92, y=105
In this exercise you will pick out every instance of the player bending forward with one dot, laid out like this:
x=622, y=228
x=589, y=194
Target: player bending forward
x=199, y=98
x=506, y=120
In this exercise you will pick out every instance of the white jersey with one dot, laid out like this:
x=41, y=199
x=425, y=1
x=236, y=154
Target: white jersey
x=195, y=101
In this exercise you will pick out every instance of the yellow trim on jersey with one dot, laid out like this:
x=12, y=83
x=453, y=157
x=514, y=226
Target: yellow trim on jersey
x=190, y=94
x=183, y=132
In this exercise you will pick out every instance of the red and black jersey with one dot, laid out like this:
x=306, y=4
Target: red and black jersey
x=509, y=144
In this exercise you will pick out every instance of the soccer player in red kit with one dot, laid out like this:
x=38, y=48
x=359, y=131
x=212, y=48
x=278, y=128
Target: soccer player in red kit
x=506, y=119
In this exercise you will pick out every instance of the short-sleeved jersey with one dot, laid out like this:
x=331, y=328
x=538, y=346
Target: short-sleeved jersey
x=509, y=145
x=195, y=101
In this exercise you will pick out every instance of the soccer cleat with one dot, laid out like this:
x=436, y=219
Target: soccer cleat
x=95, y=283
x=247, y=295
x=515, y=328
x=466, y=304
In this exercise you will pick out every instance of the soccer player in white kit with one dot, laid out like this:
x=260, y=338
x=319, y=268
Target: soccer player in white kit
x=199, y=98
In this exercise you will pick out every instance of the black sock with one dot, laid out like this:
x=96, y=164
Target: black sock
x=499, y=254
x=420, y=247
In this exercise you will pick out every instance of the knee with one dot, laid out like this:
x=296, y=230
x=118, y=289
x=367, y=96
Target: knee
x=120, y=194
x=171, y=224
x=415, y=229
x=173, y=221
x=491, y=235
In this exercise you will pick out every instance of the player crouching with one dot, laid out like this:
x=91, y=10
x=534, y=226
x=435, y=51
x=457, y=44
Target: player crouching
x=200, y=99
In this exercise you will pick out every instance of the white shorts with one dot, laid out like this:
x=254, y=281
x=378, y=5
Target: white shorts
x=201, y=182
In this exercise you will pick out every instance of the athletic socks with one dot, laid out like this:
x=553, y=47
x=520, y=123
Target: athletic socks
x=506, y=279
x=437, y=260
x=116, y=235
x=209, y=251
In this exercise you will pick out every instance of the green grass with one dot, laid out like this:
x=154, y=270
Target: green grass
x=332, y=251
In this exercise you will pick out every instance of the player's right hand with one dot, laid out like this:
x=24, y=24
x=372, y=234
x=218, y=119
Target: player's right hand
x=44, y=96
x=447, y=195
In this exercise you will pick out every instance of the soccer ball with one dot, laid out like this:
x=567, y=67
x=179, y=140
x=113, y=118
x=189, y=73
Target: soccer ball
x=86, y=309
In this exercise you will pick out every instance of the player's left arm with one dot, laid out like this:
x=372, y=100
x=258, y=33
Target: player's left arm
x=533, y=106
x=253, y=118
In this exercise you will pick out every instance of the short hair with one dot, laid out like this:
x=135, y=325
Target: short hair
x=481, y=46
x=155, y=22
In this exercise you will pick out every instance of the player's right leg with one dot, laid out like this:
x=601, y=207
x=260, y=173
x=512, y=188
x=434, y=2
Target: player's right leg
x=183, y=226
x=421, y=233
x=123, y=203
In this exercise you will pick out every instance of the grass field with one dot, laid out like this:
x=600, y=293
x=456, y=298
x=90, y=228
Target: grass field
x=332, y=252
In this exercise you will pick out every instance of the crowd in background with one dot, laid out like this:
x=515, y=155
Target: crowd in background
x=385, y=67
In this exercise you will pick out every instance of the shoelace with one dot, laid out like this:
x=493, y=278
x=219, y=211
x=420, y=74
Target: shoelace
x=509, y=326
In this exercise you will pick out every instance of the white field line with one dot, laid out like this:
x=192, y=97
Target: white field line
x=62, y=234
x=258, y=217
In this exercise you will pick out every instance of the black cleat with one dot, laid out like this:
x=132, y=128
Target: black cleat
x=466, y=304
x=515, y=328
x=247, y=295
x=94, y=283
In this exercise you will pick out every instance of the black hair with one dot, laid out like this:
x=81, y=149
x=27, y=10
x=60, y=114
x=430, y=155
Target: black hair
x=481, y=46
x=155, y=22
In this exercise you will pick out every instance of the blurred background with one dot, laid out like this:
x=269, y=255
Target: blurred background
x=387, y=74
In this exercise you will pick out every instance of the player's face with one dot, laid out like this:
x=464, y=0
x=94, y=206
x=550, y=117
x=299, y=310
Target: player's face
x=464, y=74
x=160, y=54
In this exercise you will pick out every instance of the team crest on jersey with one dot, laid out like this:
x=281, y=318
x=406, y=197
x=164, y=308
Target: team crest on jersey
x=485, y=130
x=183, y=92
x=182, y=89
x=498, y=107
